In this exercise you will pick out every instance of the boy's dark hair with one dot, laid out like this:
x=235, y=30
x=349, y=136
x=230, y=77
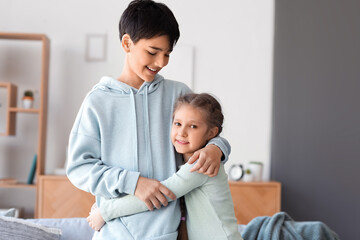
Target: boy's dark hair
x=147, y=19
x=208, y=104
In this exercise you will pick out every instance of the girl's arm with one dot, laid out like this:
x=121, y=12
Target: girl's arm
x=180, y=183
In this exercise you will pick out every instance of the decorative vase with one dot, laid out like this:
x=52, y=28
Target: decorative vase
x=248, y=176
x=256, y=170
x=28, y=102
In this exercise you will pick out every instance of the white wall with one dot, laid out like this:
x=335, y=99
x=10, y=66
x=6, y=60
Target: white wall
x=232, y=41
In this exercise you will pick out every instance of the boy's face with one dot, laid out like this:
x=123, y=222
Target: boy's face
x=146, y=58
x=189, y=131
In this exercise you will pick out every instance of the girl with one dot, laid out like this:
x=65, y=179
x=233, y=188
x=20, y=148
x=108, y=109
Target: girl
x=210, y=212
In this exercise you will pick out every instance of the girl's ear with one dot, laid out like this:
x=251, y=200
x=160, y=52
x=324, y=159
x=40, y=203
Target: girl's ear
x=126, y=42
x=213, y=132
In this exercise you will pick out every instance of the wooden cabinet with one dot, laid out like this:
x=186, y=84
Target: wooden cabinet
x=59, y=198
x=253, y=199
x=12, y=108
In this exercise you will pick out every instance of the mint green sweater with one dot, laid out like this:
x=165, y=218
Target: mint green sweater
x=210, y=210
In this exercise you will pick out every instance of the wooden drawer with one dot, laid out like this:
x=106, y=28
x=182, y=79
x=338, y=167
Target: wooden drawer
x=59, y=198
x=252, y=199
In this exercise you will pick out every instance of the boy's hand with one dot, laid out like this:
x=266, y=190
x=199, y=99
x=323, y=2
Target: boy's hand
x=208, y=160
x=152, y=193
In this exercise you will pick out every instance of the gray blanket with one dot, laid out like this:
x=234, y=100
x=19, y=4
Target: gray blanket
x=280, y=226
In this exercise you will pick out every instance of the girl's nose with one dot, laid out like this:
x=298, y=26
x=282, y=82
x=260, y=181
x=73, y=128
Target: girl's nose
x=182, y=132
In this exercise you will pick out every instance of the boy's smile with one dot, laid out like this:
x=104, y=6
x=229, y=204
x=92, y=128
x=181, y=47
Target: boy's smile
x=144, y=59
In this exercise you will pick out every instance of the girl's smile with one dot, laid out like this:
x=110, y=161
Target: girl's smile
x=181, y=142
x=190, y=130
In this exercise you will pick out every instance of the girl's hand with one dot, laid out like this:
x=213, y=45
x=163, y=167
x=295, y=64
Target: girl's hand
x=95, y=219
x=208, y=160
x=152, y=193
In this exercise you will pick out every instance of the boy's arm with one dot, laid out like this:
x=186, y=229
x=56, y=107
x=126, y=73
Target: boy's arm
x=208, y=158
x=86, y=170
x=180, y=183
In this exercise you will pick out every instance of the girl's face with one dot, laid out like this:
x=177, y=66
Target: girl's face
x=145, y=58
x=189, y=131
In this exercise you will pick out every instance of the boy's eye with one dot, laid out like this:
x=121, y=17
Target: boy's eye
x=193, y=126
x=177, y=124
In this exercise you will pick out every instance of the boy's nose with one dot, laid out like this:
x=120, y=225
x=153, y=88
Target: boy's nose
x=162, y=61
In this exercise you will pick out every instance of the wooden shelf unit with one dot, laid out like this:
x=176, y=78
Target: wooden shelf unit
x=18, y=185
x=253, y=199
x=24, y=110
x=41, y=111
x=11, y=93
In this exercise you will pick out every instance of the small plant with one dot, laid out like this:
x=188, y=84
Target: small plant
x=28, y=94
x=28, y=99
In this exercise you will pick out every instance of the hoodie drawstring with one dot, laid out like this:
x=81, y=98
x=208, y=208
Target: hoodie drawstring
x=112, y=85
x=147, y=132
x=135, y=139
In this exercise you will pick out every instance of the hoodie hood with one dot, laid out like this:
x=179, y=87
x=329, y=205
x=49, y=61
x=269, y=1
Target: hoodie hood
x=111, y=84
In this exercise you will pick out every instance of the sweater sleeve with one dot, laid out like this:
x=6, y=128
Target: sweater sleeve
x=85, y=168
x=224, y=146
x=180, y=183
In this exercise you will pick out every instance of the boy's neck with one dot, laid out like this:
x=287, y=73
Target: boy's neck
x=129, y=81
x=129, y=78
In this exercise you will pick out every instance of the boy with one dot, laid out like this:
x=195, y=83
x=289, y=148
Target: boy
x=120, y=141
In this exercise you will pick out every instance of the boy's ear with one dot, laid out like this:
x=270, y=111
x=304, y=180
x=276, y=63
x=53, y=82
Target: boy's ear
x=213, y=132
x=126, y=42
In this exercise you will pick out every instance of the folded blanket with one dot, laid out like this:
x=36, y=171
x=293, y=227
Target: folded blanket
x=281, y=226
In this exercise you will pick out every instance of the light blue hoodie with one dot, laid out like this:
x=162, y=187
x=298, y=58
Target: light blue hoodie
x=120, y=133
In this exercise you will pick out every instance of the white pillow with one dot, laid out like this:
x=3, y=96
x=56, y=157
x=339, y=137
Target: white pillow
x=8, y=212
x=19, y=229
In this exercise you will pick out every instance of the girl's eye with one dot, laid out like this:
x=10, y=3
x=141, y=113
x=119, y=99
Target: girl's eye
x=177, y=124
x=193, y=126
x=152, y=54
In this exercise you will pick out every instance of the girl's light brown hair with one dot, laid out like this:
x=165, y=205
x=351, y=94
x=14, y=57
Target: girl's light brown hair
x=208, y=104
